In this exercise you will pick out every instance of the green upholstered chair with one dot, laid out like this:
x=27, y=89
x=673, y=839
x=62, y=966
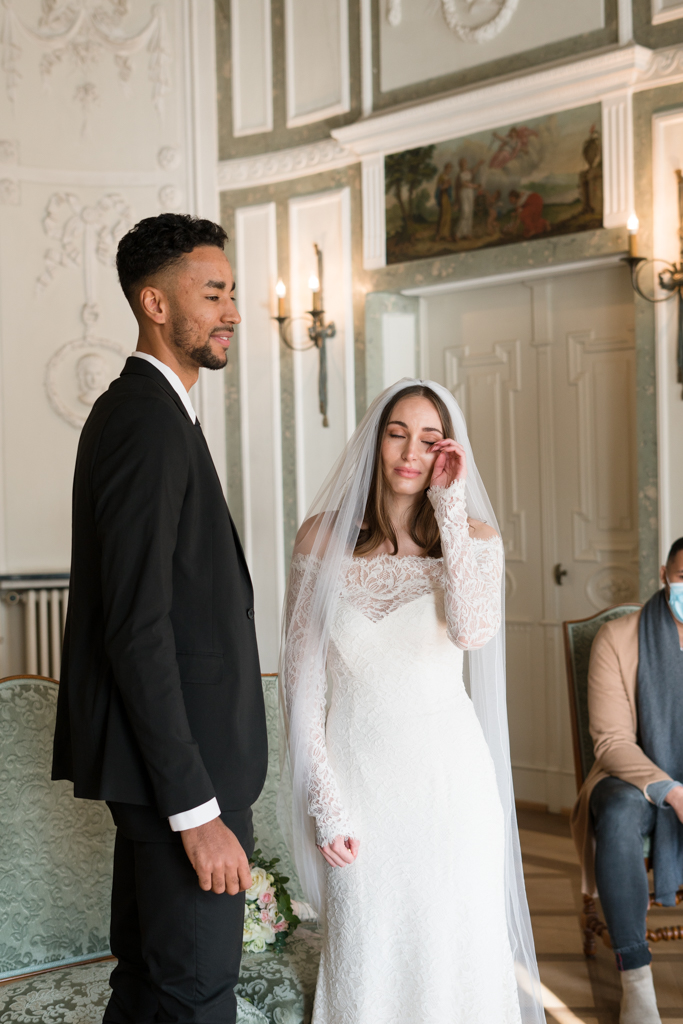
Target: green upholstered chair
x=55, y=880
x=578, y=640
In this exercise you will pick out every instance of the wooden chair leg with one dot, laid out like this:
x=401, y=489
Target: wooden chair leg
x=592, y=926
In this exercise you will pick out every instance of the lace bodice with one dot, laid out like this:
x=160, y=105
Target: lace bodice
x=468, y=574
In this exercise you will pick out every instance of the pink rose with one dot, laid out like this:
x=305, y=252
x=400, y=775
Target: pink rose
x=265, y=898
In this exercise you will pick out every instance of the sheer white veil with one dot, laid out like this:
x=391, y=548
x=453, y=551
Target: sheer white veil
x=336, y=516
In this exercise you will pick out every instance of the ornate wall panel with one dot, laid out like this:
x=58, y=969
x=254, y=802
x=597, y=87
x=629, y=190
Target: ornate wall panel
x=323, y=218
x=108, y=115
x=259, y=347
x=317, y=60
x=603, y=372
x=487, y=384
x=252, y=67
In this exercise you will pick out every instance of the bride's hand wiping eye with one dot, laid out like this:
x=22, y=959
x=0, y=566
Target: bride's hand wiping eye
x=451, y=462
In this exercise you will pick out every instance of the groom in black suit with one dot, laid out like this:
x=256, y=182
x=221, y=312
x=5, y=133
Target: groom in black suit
x=160, y=705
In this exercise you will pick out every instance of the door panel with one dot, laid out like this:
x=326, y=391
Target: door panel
x=545, y=373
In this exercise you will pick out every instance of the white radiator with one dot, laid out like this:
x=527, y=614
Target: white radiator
x=44, y=601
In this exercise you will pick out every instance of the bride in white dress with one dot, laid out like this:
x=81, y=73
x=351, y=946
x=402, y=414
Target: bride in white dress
x=393, y=780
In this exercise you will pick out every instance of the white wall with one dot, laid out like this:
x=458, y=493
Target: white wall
x=85, y=151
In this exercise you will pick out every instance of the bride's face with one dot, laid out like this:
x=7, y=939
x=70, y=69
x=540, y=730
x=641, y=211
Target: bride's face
x=407, y=459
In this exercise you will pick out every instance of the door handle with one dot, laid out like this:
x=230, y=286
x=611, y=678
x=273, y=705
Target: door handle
x=559, y=573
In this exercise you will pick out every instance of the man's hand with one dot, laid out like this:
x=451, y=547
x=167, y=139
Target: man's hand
x=340, y=851
x=675, y=798
x=218, y=858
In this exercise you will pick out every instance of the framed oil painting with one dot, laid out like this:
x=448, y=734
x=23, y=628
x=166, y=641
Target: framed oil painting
x=532, y=179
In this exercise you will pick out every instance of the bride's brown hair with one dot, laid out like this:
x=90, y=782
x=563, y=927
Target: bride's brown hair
x=377, y=525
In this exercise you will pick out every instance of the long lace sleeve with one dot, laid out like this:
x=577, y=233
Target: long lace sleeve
x=472, y=571
x=324, y=800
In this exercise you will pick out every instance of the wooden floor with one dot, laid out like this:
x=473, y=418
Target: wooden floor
x=576, y=989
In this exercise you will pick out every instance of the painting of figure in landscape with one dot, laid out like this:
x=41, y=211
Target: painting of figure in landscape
x=528, y=180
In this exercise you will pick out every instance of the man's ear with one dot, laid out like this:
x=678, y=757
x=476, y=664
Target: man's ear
x=154, y=304
x=662, y=575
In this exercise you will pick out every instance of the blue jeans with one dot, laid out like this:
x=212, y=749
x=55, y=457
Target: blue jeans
x=622, y=817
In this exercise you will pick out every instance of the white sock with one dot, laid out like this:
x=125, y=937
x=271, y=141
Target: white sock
x=638, y=1003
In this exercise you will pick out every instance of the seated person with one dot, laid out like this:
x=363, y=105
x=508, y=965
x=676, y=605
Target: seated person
x=635, y=707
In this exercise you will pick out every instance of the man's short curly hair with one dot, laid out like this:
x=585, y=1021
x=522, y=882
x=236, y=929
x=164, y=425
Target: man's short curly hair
x=158, y=242
x=674, y=550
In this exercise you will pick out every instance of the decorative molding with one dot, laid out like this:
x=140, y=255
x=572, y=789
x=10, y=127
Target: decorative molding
x=617, y=158
x=452, y=13
x=82, y=234
x=283, y=165
x=78, y=373
x=513, y=276
x=295, y=117
x=374, y=213
x=237, y=45
x=625, y=21
x=79, y=32
x=170, y=197
x=586, y=526
x=667, y=130
x=501, y=366
x=662, y=14
x=366, y=68
x=541, y=92
x=325, y=218
x=10, y=192
x=260, y=418
x=9, y=151
x=168, y=158
x=610, y=585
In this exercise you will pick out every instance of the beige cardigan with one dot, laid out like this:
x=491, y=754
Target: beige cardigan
x=612, y=712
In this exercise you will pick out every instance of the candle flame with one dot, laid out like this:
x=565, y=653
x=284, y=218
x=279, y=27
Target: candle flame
x=280, y=289
x=314, y=283
x=632, y=224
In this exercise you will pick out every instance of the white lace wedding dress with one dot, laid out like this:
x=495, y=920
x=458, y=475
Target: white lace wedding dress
x=415, y=929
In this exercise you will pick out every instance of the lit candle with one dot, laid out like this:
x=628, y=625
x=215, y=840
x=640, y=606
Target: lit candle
x=314, y=285
x=280, y=291
x=632, y=225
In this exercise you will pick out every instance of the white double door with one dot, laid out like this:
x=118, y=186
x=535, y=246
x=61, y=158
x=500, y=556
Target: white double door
x=545, y=372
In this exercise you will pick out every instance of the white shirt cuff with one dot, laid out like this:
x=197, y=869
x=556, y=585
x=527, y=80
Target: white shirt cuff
x=195, y=817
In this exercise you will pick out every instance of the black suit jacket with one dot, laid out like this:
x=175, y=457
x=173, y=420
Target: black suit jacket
x=160, y=701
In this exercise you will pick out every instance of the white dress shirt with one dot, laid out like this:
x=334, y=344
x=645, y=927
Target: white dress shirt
x=195, y=816
x=173, y=379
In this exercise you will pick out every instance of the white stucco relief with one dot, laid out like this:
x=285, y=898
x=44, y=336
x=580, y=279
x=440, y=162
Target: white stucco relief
x=78, y=33
x=453, y=11
x=82, y=236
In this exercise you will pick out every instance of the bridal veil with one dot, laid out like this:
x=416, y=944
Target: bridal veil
x=335, y=518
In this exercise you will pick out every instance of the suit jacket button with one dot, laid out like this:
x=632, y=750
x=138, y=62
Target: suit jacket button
x=250, y=613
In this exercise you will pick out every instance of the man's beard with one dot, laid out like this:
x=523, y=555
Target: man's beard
x=185, y=338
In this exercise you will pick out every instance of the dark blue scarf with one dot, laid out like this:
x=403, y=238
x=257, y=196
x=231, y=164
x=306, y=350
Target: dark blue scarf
x=660, y=732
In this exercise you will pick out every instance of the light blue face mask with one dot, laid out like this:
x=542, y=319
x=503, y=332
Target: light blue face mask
x=676, y=599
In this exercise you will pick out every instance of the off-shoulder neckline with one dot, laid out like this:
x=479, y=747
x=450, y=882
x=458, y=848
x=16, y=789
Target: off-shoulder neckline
x=400, y=558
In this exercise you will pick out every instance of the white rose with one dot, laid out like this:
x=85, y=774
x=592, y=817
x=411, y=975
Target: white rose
x=259, y=883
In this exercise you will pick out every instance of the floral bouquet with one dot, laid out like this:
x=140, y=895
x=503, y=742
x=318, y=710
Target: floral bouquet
x=268, y=914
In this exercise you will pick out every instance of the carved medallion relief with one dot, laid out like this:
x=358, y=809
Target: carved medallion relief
x=78, y=373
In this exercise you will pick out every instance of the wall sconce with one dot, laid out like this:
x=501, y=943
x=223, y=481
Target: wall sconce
x=670, y=278
x=318, y=330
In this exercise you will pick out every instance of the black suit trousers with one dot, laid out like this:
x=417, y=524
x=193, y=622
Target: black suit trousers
x=178, y=948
